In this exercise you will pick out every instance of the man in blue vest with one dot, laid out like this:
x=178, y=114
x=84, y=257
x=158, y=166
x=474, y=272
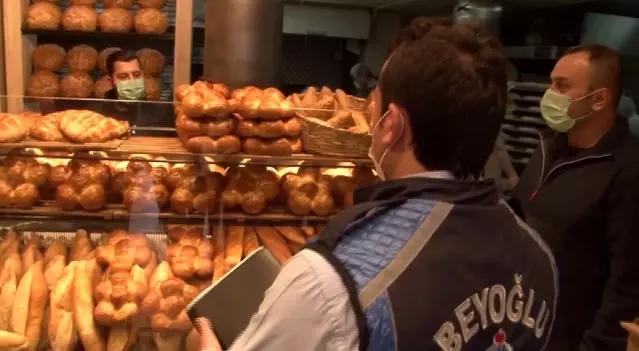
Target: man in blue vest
x=430, y=258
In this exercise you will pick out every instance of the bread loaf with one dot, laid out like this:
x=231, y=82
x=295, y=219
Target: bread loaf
x=228, y=144
x=156, y=4
x=274, y=242
x=104, y=55
x=151, y=61
x=123, y=4
x=43, y=15
x=47, y=128
x=80, y=18
x=43, y=84
x=119, y=296
x=308, y=192
x=292, y=234
x=30, y=303
x=152, y=87
x=214, y=128
x=268, y=104
x=219, y=257
x=191, y=255
x=13, y=128
x=77, y=85
x=274, y=147
x=81, y=247
x=122, y=251
x=83, y=305
x=9, y=279
x=48, y=57
x=203, y=100
x=31, y=253
x=84, y=126
x=198, y=193
x=62, y=332
x=251, y=188
x=234, y=245
x=116, y=20
x=151, y=21
x=250, y=241
x=269, y=129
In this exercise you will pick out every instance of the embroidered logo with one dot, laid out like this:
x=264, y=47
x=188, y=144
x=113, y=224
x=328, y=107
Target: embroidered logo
x=499, y=342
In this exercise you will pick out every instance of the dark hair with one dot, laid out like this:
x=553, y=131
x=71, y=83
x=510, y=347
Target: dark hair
x=119, y=56
x=452, y=82
x=417, y=28
x=606, y=64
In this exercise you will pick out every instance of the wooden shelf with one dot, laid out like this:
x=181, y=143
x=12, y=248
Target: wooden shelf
x=98, y=34
x=171, y=149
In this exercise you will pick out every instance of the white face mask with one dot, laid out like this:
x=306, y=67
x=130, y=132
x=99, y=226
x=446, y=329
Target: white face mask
x=378, y=164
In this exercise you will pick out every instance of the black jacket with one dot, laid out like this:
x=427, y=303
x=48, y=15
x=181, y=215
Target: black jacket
x=586, y=207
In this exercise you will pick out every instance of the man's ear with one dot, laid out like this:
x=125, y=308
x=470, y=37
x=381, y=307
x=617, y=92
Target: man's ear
x=602, y=99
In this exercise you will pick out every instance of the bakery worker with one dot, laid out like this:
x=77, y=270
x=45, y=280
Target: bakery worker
x=125, y=73
x=580, y=191
x=429, y=258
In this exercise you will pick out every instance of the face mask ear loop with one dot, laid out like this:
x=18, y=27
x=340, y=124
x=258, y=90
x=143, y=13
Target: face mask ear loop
x=401, y=132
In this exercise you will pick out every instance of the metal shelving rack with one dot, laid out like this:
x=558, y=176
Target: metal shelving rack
x=523, y=123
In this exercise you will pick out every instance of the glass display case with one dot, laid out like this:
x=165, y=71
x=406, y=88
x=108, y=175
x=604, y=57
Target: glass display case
x=115, y=214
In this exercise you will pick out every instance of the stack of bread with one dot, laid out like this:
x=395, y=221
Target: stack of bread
x=140, y=184
x=46, y=59
x=332, y=109
x=21, y=182
x=73, y=295
x=81, y=184
x=267, y=124
x=203, y=118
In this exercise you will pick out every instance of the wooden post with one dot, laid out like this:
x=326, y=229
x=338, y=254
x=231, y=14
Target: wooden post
x=17, y=49
x=3, y=81
x=183, y=43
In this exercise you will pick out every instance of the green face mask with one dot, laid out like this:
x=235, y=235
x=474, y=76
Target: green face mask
x=132, y=89
x=554, y=110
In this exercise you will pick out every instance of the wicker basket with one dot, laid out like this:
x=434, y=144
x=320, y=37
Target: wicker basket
x=321, y=139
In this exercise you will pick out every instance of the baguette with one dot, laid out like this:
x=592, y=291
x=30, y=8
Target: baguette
x=83, y=306
x=342, y=99
x=57, y=248
x=219, y=261
x=8, y=291
x=31, y=300
x=310, y=97
x=12, y=341
x=292, y=234
x=53, y=271
x=326, y=92
x=31, y=253
x=8, y=246
x=341, y=119
x=308, y=231
x=361, y=121
x=63, y=335
x=81, y=248
x=234, y=245
x=274, y=242
x=250, y=241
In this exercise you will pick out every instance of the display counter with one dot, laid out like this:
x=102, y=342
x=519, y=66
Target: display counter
x=111, y=222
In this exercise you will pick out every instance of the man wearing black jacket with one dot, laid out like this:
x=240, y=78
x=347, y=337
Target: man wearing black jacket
x=580, y=191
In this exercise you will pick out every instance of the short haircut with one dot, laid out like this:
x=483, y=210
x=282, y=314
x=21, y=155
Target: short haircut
x=606, y=68
x=452, y=82
x=119, y=56
x=417, y=28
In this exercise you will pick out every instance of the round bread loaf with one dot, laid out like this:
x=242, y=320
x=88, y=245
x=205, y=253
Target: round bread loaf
x=82, y=58
x=104, y=55
x=116, y=20
x=43, y=84
x=153, y=87
x=80, y=18
x=77, y=85
x=151, y=21
x=123, y=4
x=51, y=1
x=102, y=86
x=156, y=4
x=151, y=61
x=48, y=57
x=43, y=15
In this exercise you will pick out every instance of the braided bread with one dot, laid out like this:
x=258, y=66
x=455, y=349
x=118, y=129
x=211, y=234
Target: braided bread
x=205, y=127
x=250, y=188
x=228, y=144
x=274, y=147
x=308, y=192
x=84, y=126
x=269, y=129
x=121, y=251
x=120, y=295
x=199, y=193
x=268, y=104
x=190, y=254
x=203, y=100
x=167, y=299
x=84, y=186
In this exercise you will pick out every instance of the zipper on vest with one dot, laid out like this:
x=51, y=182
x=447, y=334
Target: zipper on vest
x=543, y=179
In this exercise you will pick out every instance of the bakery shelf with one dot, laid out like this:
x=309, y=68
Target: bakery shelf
x=116, y=213
x=128, y=36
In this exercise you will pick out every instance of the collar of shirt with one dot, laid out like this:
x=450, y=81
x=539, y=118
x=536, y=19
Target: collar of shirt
x=433, y=174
